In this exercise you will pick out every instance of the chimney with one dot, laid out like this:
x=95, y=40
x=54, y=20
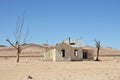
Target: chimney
x=69, y=40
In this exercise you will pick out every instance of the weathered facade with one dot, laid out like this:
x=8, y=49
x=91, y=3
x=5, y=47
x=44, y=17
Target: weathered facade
x=65, y=52
x=48, y=56
x=87, y=54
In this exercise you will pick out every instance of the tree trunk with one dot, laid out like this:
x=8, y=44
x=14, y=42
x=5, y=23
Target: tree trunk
x=18, y=54
x=97, y=59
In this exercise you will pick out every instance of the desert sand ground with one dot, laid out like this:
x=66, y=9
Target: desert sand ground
x=31, y=64
x=107, y=69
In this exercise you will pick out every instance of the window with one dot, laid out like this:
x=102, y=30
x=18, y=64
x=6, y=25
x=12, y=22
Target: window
x=76, y=53
x=63, y=53
x=72, y=43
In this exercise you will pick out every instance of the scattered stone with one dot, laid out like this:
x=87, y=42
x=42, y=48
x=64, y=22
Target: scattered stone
x=63, y=78
x=27, y=62
x=106, y=73
x=49, y=68
x=69, y=75
x=117, y=61
x=30, y=77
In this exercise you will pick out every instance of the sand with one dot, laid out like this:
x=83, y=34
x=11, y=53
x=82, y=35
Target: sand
x=107, y=69
x=32, y=66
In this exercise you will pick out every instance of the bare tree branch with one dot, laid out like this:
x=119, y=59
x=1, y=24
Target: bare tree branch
x=20, y=30
x=11, y=43
x=27, y=33
x=18, y=34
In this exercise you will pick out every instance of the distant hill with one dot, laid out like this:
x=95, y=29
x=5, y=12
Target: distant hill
x=2, y=46
x=36, y=50
x=30, y=50
x=106, y=51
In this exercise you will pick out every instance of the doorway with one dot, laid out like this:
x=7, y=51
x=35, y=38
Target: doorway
x=85, y=55
x=63, y=53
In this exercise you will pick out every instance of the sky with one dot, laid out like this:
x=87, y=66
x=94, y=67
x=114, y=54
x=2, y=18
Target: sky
x=53, y=21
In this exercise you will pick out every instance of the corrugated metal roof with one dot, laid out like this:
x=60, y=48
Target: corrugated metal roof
x=74, y=42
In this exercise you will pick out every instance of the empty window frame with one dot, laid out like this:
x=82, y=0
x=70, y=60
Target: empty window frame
x=76, y=53
x=63, y=52
x=72, y=43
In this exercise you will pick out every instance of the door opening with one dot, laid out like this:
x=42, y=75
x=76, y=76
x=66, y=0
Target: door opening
x=63, y=53
x=85, y=55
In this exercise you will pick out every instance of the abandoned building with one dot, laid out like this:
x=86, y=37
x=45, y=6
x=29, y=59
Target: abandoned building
x=69, y=50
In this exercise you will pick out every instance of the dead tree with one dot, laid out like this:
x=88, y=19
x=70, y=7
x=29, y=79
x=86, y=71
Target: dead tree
x=98, y=49
x=18, y=34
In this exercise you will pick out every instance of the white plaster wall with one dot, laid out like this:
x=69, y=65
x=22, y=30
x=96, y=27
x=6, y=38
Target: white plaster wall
x=48, y=56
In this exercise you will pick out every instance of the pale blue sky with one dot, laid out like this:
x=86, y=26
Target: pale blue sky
x=56, y=20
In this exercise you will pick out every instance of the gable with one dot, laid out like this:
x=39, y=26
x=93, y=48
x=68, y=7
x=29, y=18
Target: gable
x=62, y=45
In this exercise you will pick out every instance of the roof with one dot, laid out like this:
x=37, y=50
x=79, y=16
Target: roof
x=74, y=42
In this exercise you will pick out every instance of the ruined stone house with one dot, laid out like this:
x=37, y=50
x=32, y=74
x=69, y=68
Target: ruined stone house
x=69, y=50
